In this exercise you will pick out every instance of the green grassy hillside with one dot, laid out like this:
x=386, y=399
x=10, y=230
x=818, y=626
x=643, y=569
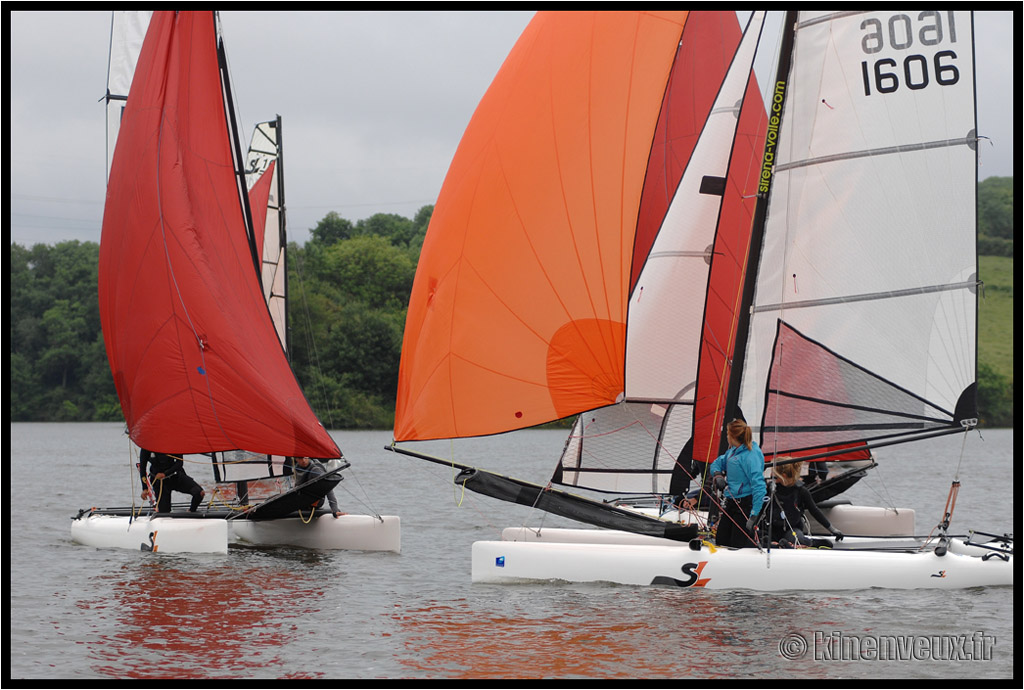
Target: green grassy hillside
x=996, y=314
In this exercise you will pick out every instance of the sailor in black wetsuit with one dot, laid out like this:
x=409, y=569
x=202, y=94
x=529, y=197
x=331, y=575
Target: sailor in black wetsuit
x=167, y=474
x=792, y=498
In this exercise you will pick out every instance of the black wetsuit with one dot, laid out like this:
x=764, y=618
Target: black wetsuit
x=175, y=479
x=788, y=514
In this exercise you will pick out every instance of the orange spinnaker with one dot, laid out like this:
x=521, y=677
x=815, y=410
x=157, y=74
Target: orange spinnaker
x=518, y=310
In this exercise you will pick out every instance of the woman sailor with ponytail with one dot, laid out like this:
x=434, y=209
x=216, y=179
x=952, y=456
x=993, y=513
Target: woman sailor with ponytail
x=742, y=469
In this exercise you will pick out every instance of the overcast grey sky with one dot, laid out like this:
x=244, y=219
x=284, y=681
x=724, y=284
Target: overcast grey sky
x=373, y=106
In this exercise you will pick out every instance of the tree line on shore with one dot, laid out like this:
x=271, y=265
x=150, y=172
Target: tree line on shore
x=349, y=290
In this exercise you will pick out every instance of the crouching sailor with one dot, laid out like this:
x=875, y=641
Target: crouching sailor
x=167, y=474
x=308, y=470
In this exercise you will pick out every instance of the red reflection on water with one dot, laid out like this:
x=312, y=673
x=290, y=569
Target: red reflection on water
x=459, y=642
x=174, y=619
x=605, y=633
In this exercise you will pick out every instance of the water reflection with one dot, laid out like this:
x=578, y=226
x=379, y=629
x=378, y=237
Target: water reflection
x=564, y=631
x=601, y=632
x=174, y=618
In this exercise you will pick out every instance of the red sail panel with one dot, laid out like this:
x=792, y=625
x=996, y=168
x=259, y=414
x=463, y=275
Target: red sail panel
x=728, y=268
x=818, y=400
x=259, y=197
x=518, y=309
x=860, y=454
x=194, y=355
x=709, y=43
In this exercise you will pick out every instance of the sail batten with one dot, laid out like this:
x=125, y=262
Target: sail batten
x=970, y=285
x=969, y=141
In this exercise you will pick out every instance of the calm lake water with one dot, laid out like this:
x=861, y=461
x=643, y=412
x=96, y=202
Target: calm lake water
x=82, y=613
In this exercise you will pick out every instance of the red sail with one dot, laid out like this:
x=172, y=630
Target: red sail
x=259, y=195
x=725, y=283
x=195, y=358
x=707, y=48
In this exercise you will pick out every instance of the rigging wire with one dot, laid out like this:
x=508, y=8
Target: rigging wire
x=311, y=344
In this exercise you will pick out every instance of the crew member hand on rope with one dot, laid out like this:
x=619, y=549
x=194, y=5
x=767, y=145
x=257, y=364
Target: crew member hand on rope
x=167, y=474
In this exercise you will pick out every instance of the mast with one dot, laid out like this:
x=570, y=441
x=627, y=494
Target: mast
x=760, y=215
x=967, y=405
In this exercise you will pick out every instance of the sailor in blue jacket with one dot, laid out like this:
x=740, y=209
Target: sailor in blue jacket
x=743, y=469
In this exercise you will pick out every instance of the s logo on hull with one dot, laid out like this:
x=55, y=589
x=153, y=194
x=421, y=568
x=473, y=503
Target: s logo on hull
x=692, y=578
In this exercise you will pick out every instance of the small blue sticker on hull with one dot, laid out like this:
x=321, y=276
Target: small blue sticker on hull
x=499, y=562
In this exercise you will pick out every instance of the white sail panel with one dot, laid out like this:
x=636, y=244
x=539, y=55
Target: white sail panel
x=625, y=448
x=869, y=246
x=666, y=310
x=127, y=31
x=264, y=150
x=241, y=466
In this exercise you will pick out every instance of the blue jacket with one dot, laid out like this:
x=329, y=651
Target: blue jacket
x=744, y=474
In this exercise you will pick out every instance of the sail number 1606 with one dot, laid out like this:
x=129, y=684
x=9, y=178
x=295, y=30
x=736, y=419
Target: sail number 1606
x=914, y=71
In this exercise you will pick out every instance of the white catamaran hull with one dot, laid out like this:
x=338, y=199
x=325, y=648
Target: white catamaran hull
x=162, y=535
x=213, y=535
x=350, y=532
x=720, y=568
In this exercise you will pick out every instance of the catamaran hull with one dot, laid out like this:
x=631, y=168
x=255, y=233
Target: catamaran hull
x=159, y=534
x=718, y=568
x=350, y=532
x=214, y=534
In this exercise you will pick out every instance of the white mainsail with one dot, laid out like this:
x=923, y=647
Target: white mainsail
x=864, y=317
x=626, y=448
x=263, y=159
